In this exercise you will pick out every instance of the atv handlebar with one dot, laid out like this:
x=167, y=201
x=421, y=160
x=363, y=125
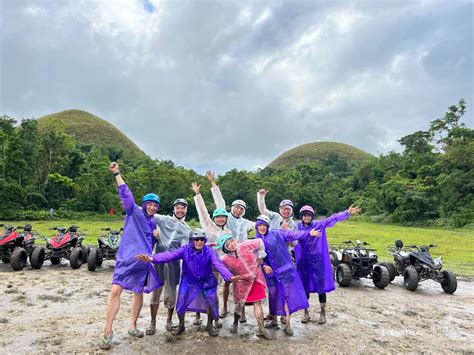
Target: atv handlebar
x=347, y=242
x=105, y=229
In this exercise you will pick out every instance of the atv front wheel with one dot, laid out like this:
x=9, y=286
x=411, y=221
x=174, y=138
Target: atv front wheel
x=77, y=257
x=92, y=260
x=410, y=278
x=37, y=257
x=18, y=259
x=380, y=276
x=55, y=260
x=450, y=282
x=391, y=270
x=343, y=275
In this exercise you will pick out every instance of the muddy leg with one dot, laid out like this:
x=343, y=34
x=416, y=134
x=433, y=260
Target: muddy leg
x=225, y=298
x=258, y=312
x=235, y=325
x=137, y=302
x=169, y=319
x=288, y=330
x=180, y=328
x=113, y=306
x=209, y=327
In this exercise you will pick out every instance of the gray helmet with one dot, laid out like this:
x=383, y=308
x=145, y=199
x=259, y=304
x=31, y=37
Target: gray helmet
x=264, y=219
x=239, y=203
x=180, y=201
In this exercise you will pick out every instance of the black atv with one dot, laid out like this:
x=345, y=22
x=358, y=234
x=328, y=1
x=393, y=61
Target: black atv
x=353, y=261
x=66, y=243
x=15, y=246
x=416, y=264
x=107, y=249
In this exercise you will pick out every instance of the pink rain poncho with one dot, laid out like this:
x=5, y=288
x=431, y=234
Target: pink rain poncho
x=312, y=256
x=198, y=285
x=137, y=238
x=244, y=263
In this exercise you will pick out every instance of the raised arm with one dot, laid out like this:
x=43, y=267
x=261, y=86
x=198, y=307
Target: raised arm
x=262, y=207
x=124, y=192
x=338, y=217
x=203, y=214
x=216, y=192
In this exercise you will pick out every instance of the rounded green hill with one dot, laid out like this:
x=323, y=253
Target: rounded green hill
x=89, y=130
x=318, y=151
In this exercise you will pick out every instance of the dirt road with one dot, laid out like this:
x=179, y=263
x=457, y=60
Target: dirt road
x=57, y=309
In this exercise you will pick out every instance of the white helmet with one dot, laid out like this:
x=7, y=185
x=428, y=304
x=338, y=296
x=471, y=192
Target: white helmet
x=264, y=219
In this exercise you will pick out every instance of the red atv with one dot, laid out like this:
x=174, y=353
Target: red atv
x=16, y=246
x=66, y=243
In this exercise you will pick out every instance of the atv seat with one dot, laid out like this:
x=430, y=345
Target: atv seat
x=404, y=254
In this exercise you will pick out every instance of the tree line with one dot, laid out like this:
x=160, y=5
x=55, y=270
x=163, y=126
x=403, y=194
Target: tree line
x=430, y=182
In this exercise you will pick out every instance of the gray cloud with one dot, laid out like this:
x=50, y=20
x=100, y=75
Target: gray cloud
x=234, y=83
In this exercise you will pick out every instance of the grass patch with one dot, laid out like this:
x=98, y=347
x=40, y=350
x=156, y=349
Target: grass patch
x=456, y=246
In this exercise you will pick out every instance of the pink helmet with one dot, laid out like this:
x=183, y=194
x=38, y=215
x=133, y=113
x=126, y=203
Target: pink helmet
x=307, y=209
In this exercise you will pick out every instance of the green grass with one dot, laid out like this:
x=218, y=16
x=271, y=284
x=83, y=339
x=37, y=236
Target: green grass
x=456, y=246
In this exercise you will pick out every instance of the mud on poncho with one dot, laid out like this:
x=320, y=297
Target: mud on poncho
x=137, y=238
x=244, y=263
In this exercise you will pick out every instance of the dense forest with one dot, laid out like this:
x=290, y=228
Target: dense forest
x=430, y=182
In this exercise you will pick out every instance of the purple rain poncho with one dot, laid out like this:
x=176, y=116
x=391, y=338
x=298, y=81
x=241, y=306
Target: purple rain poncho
x=284, y=284
x=198, y=285
x=312, y=257
x=137, y=238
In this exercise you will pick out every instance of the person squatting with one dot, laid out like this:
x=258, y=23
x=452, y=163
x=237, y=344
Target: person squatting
x=284, y=264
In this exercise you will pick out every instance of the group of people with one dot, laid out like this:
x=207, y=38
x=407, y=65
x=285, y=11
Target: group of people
x=286, y=262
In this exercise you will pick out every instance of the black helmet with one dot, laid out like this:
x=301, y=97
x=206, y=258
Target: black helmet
x=28, y=227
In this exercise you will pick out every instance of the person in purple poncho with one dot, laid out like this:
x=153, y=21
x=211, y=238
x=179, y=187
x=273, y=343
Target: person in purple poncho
x=198, y=285
x=139, y=236
x=312, y=257
x=286, y=292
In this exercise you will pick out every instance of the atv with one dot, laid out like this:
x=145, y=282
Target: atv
x=353, y=261
x=107, y=249
x=66, y=243
x=416, y=264
x=15, y=247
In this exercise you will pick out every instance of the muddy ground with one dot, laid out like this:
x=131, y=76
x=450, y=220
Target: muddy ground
x=57, y=309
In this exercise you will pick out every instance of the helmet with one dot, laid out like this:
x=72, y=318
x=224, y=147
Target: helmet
x=307, y=209
x=222, y=240
x=264, y=219
x=151, y=198
x=27, y=227
x=73, y=228
x=286, y=203
x=180, y=201
x=196, y=231
x=220, y=212
x=239, y=203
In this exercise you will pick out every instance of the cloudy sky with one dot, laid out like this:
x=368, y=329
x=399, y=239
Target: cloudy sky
x=233, y=83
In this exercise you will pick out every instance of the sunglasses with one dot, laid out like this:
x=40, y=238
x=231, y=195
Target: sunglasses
x=199, y=239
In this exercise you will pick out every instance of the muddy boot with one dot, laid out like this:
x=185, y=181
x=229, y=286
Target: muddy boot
x=151, y=328
x=197, y=320
x=322, y=315
x=273, y=324
x=283, y=320
x=243, y=318
x=180, y=328
x=224, y=313
x=306, y=316
x=288, y=331
x=235, y=326
x=217, y=324
x=262, y=333
x=213, y=332
x=169, y=320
